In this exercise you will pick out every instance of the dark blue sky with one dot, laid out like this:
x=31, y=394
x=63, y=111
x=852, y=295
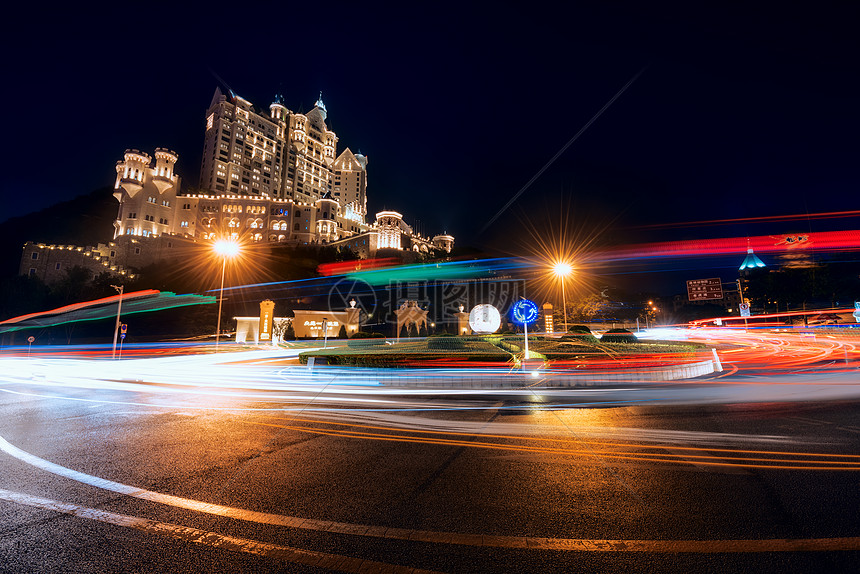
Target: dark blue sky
x=739, y=112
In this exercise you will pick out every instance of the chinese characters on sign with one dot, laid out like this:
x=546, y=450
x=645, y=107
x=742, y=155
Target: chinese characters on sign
x=704, y=289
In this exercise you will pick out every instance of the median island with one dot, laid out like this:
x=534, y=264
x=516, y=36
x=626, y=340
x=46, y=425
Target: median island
x=574, y=350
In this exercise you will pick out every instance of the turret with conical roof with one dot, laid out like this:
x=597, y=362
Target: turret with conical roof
x=319, y=104
x=751, y=261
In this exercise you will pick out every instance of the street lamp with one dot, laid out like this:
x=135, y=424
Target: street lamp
x=119, y=289
x=563, y=270
x=226, y=249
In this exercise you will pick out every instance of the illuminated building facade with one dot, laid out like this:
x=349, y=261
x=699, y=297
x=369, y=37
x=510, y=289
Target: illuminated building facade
x=146, y=193
x=271, y=177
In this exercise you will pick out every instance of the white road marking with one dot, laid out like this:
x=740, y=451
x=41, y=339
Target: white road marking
x=207, y=538
x=485, y=540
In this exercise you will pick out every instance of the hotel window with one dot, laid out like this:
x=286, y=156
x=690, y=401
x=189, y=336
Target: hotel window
x=34, y=256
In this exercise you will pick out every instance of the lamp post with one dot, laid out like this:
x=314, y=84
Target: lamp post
x=325, y=332
x=562, y=270
x=225, y=249
x=119, y=289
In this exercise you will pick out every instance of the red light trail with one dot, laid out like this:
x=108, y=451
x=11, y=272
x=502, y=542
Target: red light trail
x=819, y=241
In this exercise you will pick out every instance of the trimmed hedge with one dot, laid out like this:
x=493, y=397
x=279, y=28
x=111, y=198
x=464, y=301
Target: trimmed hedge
x=401, y=360
x=445, y=343
x=364, y=343
x=573, y=329
x=367, y=335
x=618, y=336
x=580, y=338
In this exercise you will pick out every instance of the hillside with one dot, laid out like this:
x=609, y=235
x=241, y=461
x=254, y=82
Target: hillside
x=84, y=220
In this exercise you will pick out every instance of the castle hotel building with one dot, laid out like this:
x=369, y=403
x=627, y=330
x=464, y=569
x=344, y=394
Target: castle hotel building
x=275, y=178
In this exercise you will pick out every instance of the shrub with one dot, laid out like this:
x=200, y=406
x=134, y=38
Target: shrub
x=361, y=335
x=445, y=342
x=579, y=338
x=579, y=329
x=365, y=339
x=365, y=342
x=618, y=336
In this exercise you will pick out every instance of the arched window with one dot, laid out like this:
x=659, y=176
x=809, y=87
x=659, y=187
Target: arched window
x=283, y=226
x=233, y=223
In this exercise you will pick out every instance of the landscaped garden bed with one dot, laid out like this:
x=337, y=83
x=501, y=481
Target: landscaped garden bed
x=451, y=351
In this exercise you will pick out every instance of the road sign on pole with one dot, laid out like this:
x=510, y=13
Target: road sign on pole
x=745, y=309
x=705, y=289
x=523, y=312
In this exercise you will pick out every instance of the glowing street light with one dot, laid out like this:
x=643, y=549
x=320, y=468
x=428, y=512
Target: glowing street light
x=226, y=249
x=563, y=270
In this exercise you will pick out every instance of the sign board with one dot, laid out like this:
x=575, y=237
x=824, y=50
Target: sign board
x=857, y=311
x=31, y=338
x=524, y=312
x=705, y=289
x=547, y=318
x=123, y=328
x=745, y=309
x=267, y=312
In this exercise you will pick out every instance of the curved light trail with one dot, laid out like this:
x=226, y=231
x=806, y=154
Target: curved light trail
x=270, y=390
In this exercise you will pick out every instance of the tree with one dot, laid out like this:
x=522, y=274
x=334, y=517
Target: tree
x=74, y=287
x=404, y=332
x=22, y=294
x=283, y=329
x=587, y=308
x=422, y=332
x=341, y=334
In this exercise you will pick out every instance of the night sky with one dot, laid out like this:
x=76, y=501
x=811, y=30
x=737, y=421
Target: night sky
x=736, y=113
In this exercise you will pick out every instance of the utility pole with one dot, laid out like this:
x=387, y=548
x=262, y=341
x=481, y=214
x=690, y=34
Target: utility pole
x=119, y=289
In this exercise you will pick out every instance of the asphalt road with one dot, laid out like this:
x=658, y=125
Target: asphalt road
x=102, y=475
